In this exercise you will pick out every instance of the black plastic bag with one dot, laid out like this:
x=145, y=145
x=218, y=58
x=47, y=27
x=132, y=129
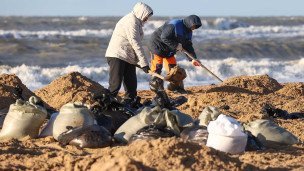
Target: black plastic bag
x=152, y=132
x=92, y=136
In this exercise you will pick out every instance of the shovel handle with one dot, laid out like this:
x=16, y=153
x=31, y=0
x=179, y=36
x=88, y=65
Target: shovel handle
x=190, y=56
x=154, y=74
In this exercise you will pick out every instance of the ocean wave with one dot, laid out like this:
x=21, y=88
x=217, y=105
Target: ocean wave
x=152, y=25
x=228, y=24
x=83, y=18
x=36, y=77
x=20, y=34
x=217, y=24
x=251, y=32
x=199, y=34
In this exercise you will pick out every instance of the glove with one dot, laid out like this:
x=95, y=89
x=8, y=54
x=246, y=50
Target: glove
x=146, y=69
x=195, y=63
x=179, y=47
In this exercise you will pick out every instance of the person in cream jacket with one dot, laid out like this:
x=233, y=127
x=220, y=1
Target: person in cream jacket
x=125, y=51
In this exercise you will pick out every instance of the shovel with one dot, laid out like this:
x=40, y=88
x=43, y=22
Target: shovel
x=154, y=74
x=188, y=54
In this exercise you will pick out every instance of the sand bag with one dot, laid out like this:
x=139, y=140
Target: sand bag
x=92, y=136
x=23, y=119
x=210, y=113
x=176, y=75
x=48, y=129
x=269, y=132
x=72, y=115
x=226, y=134
x=135, y=123
x=160, y=117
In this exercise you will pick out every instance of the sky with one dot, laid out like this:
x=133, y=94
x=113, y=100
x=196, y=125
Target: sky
x=160, y=7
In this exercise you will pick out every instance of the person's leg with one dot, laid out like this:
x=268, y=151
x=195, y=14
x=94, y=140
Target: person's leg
x=157, y=85
x=116, y=73
x=156, y=63
x=156, y=66
x=130, y=81
x=169, y=63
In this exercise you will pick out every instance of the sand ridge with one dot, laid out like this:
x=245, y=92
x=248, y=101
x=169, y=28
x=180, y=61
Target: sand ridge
x=69, y=88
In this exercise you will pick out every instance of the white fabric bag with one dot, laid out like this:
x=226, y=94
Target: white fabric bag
x=225, y=134
x=73, y=115
x=23, y=119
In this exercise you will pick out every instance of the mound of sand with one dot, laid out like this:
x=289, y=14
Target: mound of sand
x=69, y=88
x=262, y=84
x=292, y=89
x=7, y=89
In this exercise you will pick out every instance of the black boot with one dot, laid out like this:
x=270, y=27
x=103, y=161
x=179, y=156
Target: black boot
x=132, y=102
x=161, y=98
x=156, y=84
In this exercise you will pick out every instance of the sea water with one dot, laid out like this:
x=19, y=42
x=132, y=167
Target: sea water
x=40, y=49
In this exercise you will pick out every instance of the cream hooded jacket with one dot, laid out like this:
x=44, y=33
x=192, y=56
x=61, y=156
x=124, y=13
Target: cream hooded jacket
x=126, y=40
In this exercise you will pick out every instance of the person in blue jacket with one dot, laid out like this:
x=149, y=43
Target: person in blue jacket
x=175, y=35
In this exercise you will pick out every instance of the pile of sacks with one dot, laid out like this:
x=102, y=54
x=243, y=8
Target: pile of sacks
x=74, y=124
x=78, y=124
x=228, y=135
x=212, y=128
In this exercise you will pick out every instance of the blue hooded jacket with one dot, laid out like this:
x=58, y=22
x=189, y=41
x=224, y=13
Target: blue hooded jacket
x=165, y=39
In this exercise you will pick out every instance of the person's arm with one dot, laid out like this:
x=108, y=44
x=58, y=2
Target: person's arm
x=187, y=45
x=133, y=35
x=169, y=38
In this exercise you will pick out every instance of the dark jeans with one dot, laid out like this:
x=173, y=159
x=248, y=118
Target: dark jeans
x=122, y=72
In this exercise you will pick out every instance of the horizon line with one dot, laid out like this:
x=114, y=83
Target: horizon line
x=152, y=16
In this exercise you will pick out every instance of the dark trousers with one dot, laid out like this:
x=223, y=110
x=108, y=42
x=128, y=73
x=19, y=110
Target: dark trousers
x=122, y=72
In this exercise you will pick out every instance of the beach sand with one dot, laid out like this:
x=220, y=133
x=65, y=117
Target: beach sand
x=245, y=96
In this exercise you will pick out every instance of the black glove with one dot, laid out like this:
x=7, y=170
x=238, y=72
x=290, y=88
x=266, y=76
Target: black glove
x=146, y=69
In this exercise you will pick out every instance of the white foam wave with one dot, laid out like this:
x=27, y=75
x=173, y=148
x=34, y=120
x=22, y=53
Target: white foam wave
x=284, y=71
x=152, y=25
x=227, y=24
x=199, y=34
x=36, y=77
x=251, y=32
x=83, y=18
x=19, y=34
